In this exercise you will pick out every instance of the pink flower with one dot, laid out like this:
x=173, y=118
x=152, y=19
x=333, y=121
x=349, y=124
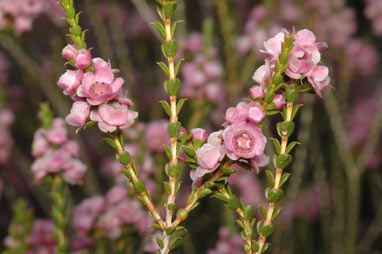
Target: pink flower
x=74, y=171
x=113, y=116
x=99, y=86
x=195, y=42
x=156, y=136
x=255, y=113
x=237, y=114
x=82, y=59
x=57, y=134
x=116, y=195
x=70, y=81
x=256, y=92
x=319, y=79
x=209, y=156
x=40, y=143
x=69, y=51
x=199, y=133
x=41, y=237
x=259, y=161
x=279, y=101
x=79, y=114
x=262, y=74
x=244, y=140
x=273, y=46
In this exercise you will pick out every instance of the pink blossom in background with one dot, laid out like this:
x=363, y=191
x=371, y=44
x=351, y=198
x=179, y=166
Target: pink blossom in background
x=41, y=239
x=227, y=243
x=367, y=57
x=55, y=153
x=156, y=135
x=373, y=12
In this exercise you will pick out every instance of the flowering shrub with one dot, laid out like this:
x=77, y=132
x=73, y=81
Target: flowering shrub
x=206, y=162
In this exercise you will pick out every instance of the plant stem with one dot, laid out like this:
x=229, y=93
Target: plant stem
x=59, y=213
x=276, y=186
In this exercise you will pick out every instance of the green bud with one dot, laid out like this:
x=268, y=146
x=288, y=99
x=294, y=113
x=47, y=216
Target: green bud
x=277, y=79
x=174, y=170
x=269, y=96
x=70, y=12
x=292, y=92
x=76, y=30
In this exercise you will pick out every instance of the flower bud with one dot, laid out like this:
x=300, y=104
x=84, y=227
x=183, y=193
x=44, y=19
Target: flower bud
x=82, y=59
x=69, y=51
x=279, y=101
x=199, y=133
x=256, y=92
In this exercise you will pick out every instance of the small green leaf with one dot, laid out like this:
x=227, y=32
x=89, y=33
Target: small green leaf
x=164, y=68
x=171, y=207
x=276, y=212
x=157, y=226
x=90, y=124
x=240, y=223
x=174, y=170
x=177, y=66
x=160, y=29
x=126, y=173
x=139, y=186
x=111, y=143
x=263, y=210
x=267, y=230
x=292, y=92
x=255, y=246
x=159, y=242
x=284, y=178
x=167, y=188
x=272, y=195
x=204, y=192
x=189, y=151
x=265, y=247
x=269, y=96
x=167, y=150
x=179, y=105
x=291, y=146
x=174, y=26
x=276, y=145
x=170, y=230
x=249, y=211
x=177, y=186
x=169, y=9
x=295, y=110
x=170, y=48
x=220, y=197
x=124, y=158
x=285, y=128
x=173, y=86
x=244, y=165
x=228, y=171
x=174, y=129
x=259, y=226
x=270, y=177
x=166, y=107
x=233, y=202
x=283, y=160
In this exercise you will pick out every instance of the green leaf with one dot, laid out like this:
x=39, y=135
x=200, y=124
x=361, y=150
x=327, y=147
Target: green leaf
x=291, y=146
x=161, y=29
x=221, y=197
x=169, y=9
x=167, y=150
x=276, y=212
x=244, y=165
x=228, y=171
x=272, y=112
x=269, y=96
x=173, y=86
x=189, y=151
x=249, y=211
x=284, y=178
x=164, y=68
x=265, y=247
x=177, y=186
x=174, y=129
x=263, y=210
x=126, y=173
x=204, y=192
x=285, y=128
x=179, y=105
x=272, y=195
x=255, y=246
x=139, y=186
x=159, y=242
x=270, y=177
x=177, y=66
x=124, y=158
x=267, y=230
x=167, y=188
x=259, y=226
x=292, y=92
x=174, y=170
x=171, y=207
x=276, y=145
x=233, y=202
x=170, y=48
x=283, y=160
x=166, y=107
x=295, y=110
x=174, y=26
x=111, y=143
x=90, y=124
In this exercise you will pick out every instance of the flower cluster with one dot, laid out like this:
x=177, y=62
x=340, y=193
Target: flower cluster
x=55, y=153
x=20, y=14
x=227, y=244
x=303, y=61
x=242, y=139
x=41, y=239
x=366, y=55
x=373, y=11
x=97, y=94
x=6, y=142
x=109, y=214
